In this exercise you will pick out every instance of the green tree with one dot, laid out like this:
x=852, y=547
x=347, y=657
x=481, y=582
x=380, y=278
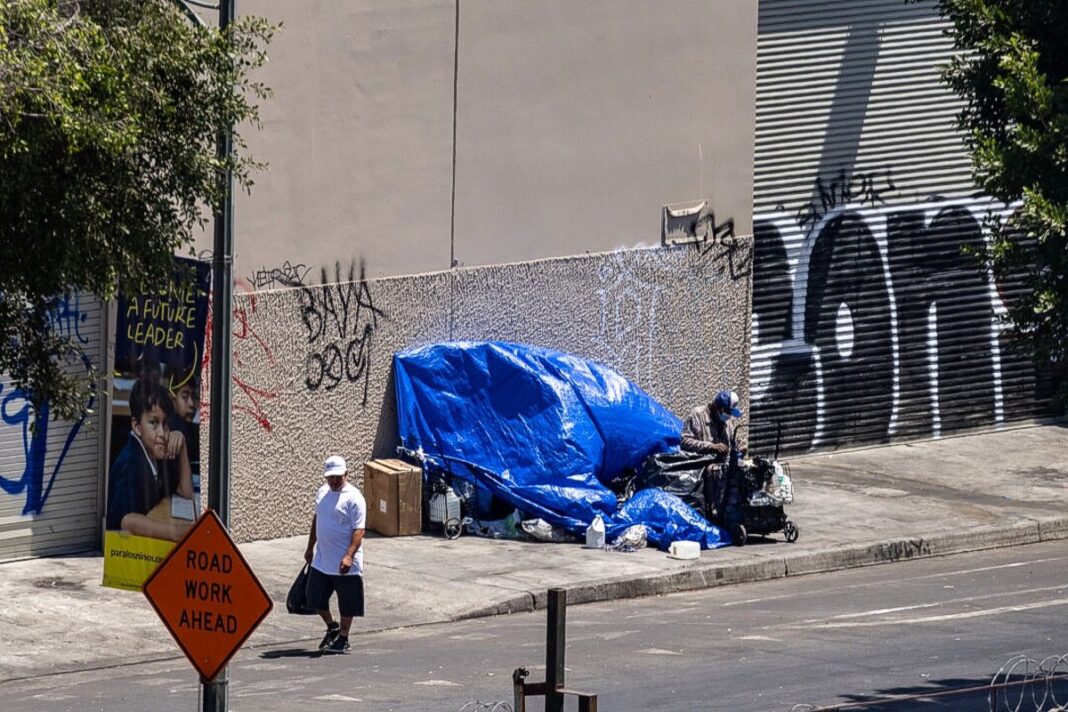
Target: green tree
x=110, y=112
x=1012, y=73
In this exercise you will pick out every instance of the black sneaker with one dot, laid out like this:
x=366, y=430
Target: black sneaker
x=332, y=632
x=339, y=646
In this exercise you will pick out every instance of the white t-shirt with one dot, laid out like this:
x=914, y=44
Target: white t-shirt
x=337, y=515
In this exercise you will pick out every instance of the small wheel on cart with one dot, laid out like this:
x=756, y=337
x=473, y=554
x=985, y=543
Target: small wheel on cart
x=453, y=528
x=739, y=536
x=790, y=531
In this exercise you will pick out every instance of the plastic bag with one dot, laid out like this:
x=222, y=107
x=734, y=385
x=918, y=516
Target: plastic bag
x=679, y=473
x=632, y=539
x=297, y=600
x=774, y=481
x=541, y=530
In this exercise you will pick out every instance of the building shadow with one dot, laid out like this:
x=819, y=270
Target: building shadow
x=386, y=439
x=1017, y=693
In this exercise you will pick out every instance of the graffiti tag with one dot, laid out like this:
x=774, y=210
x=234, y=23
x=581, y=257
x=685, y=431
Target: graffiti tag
x=287, y=275
x=341, y=320
x=16, y=411
x=861, y=189
x=876, y=323
x=66, y=317
x=251, y=398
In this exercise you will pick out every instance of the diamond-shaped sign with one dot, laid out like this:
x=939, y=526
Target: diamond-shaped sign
x=207, y=596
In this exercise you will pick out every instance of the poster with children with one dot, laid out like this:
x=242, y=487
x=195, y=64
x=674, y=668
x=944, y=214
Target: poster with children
x=153, y=490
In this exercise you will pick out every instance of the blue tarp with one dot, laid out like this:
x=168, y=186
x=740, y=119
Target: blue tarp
x=544, y=431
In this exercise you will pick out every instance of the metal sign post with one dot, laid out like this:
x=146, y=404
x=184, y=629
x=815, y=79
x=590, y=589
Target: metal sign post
x=215, y=690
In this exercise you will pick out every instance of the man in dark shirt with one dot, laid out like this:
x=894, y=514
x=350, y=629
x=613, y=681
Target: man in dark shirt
x=710, y=430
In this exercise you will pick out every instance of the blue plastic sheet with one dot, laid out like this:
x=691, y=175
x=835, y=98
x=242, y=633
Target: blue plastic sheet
x=666, y=518
x=542, y=430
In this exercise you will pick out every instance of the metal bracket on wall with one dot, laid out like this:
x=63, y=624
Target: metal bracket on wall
x=682, y=222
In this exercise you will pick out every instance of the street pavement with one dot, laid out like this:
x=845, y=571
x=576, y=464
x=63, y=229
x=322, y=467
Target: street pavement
x=856, y=508
x=930, y=633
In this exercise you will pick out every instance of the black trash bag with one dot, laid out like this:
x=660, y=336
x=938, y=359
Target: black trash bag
x=679, y=473
x=297, y=600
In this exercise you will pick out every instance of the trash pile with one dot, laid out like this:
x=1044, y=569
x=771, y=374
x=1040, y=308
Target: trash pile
x=532, y=443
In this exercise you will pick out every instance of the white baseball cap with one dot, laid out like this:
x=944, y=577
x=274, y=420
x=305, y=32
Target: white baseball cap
x=334, y=465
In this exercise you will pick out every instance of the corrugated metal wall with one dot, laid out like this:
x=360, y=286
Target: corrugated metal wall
x=50, y=479
x=869, y=324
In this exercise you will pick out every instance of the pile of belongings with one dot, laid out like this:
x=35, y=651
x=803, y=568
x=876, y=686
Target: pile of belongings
x=548, y=434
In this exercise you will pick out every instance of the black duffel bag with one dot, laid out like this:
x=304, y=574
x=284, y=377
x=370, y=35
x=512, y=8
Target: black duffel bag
x=297, y=600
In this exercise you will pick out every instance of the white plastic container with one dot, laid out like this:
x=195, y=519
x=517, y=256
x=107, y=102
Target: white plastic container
x=684, y=550
x=444, y=506
x=595, y=533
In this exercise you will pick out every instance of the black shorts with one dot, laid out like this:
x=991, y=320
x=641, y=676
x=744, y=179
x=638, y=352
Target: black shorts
x=349, y=589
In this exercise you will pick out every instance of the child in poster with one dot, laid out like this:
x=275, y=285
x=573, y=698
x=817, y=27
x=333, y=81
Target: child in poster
x=139, y=488
x=154, y=472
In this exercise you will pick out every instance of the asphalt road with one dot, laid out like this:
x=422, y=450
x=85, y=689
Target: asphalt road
x=914, y=628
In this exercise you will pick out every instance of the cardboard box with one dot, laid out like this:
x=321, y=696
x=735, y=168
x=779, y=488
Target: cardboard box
x=394, y=493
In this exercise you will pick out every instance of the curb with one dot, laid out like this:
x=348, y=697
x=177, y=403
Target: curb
x=523, y=603
x=702, y=576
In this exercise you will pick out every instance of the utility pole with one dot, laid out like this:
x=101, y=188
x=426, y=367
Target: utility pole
x=215, y=690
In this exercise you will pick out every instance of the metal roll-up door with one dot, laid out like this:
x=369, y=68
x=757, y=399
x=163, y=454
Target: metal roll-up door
x=869, y=324
x=51, y=488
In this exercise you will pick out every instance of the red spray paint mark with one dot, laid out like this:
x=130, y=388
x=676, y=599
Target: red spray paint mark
x=245, y=338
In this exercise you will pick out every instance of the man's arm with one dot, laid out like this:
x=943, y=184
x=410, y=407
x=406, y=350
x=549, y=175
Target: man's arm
x=691, y=441
x=354, y=545
x=309, y=553
x=704, y=447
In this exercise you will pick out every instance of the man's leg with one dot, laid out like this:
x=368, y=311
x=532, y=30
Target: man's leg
x=350, y=604
x=319, y=590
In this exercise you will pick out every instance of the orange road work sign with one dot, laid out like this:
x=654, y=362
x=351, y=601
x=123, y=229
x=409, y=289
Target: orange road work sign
x=207, y=596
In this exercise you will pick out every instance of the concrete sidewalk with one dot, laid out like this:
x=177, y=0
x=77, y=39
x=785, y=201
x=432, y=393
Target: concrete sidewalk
x=853, y=509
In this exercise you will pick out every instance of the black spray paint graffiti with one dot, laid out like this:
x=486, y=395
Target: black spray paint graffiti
x=708, y=230
x=702, y=231
x=341, y=320
x=721, y=239
x=697, y=226
x=287, y=275
x=873, y=324
x=858, y=189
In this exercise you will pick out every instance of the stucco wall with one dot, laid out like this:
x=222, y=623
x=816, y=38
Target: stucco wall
x=674, y=320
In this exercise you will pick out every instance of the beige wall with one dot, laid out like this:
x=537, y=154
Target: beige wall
x=358, y=137
x=575, y=122
x=578, y=120
x=674, y=320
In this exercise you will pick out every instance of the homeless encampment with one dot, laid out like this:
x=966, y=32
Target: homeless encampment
x=543, y=431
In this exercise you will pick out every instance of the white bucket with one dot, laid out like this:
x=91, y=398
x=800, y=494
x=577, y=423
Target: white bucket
x=684, y=550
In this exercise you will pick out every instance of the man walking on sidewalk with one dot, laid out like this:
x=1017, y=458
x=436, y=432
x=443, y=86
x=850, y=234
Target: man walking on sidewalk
x=335, y=552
